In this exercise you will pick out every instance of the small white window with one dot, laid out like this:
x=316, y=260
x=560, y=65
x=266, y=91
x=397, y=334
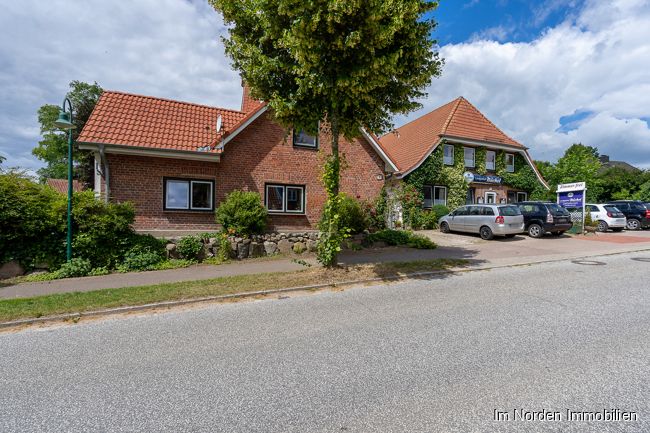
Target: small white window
x=490, y=160
x=448, y=154
x=510, y=163
x=440, y=195
x=469, y=157
x=428, y=197
x=285, y=199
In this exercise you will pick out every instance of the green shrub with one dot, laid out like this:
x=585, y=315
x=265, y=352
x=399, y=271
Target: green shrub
x=138, y=259
x=375, y=212
x=189, y=247
x=440, y=211
x=242, y=212
x=402, y=238
x=99, y=271
x=77, y=267
x=173, y=264
x=352, y=215
x=30, y=230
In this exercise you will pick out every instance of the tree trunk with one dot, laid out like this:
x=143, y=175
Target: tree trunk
x=335, y=156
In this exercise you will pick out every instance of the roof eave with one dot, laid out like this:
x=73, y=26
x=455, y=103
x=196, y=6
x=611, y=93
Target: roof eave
x=126, y=149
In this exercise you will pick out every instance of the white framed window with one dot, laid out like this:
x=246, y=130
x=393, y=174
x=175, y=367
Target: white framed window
x=470, y=154
x=490, y=160
x=448, y=154
x=522, y=196
x=510, y=162
x=280, y=198
x=188, y=194
x=440, y=195
x=428, y=197
x=302, y=139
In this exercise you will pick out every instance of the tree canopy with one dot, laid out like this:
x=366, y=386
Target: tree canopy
x=53, y=147
x=354, y=62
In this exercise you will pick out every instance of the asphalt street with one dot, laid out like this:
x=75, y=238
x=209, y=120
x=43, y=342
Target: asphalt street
x=430, y=355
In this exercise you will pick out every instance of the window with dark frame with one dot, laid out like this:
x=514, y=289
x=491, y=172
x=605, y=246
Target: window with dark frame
x=469, y=155
x=281, y=198
x=440, y=195
x=188, y=194
x=302, y=139
x=490, y=160
x=428, y=197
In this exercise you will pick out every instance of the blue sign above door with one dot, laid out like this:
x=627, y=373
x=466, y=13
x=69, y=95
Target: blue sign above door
x=471, y=177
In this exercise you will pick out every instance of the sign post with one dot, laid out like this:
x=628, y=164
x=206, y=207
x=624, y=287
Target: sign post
x=572, y=195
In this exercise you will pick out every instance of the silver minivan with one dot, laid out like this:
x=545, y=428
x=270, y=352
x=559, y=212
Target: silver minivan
x=488, y=220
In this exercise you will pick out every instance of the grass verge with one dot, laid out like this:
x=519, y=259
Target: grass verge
x=76, y=302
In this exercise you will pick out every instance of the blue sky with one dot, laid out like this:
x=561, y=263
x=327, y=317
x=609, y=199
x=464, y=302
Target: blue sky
x=549, y=72
x=503, y=20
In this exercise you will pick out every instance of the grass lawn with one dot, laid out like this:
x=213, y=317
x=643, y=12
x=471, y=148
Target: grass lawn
x=14, y=309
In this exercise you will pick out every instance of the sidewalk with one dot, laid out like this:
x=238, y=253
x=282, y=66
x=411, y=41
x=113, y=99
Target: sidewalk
x=480, y=254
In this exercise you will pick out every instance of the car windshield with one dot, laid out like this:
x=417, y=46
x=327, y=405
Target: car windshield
x=556, y=209
x=509, y=211
x=612, y=209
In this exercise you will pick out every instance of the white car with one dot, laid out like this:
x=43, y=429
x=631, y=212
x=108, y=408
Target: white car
x=606, y=217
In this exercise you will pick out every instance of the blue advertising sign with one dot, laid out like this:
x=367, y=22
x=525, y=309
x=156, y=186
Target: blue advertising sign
x=571, y=199
x=471, y=177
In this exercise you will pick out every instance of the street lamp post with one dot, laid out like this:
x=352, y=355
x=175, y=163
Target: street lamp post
x=65, y=122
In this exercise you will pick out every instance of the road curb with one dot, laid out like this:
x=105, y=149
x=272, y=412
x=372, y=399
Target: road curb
x=170, y=304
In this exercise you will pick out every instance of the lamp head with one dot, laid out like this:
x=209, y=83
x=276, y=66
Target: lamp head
x=63, y=122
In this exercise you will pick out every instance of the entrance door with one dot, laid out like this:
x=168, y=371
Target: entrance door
x=471, y=196
x=490, y=197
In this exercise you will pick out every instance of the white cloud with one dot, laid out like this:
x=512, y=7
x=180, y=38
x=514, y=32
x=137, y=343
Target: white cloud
x=599, y=61
x=167, y=48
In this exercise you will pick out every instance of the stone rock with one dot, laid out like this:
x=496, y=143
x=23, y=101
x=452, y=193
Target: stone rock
x=246, y=241
x=11, y=269
x=311, y=245
x=256, y=249
x=313, y=236
x=299, y=248
x=294, y=239
x=213, y=241
x=284, y=246
x=204, y=253
x=172, y=251
x=270, y=248
x=242, y=250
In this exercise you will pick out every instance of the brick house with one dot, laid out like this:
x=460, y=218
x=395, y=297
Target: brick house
x=176, y=162
x=456, y=142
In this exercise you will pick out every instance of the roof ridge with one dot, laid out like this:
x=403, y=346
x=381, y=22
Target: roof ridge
x=451, y=115
x=491, y=123
x=173, y=100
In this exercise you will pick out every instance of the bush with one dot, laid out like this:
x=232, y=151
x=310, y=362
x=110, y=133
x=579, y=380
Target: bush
x=242, y=212
x=76, y=267
x=352, y=215
x=439, y=211
x=138, y=259
x=402, y=238
x=375, y=212
x=30, y=230
x=189, y=247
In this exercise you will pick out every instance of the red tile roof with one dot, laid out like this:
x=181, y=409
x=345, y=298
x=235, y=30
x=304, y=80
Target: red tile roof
x=410, y=144
x=61, y=185
x=143, y=121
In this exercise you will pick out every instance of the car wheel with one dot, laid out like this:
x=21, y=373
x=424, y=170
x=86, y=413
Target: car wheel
x=602, y=226
x=617, y=229
x=535, y=231
x=486, y=233
x=444, y=227
x=633, y=224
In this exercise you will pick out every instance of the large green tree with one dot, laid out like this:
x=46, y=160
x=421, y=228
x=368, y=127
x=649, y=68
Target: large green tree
x=579, y=163
x=53, y=147
x=349, y=63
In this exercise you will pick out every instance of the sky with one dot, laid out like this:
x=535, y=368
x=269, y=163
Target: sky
x=548, y=72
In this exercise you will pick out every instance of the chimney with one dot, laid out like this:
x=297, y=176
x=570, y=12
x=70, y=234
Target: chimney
x=604, y=159
x=247, y=102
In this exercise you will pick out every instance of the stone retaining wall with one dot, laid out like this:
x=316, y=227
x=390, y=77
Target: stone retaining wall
x=258, y=245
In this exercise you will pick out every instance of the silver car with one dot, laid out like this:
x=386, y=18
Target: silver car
x=488, y=220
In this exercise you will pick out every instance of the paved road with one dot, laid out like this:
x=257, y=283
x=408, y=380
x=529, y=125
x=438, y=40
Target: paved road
x=435, y=355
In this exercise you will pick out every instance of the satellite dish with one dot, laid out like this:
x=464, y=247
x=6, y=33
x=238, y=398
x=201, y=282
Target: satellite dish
x=219, y=123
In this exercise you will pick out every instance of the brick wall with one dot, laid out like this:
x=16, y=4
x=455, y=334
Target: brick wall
x=262, y=153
